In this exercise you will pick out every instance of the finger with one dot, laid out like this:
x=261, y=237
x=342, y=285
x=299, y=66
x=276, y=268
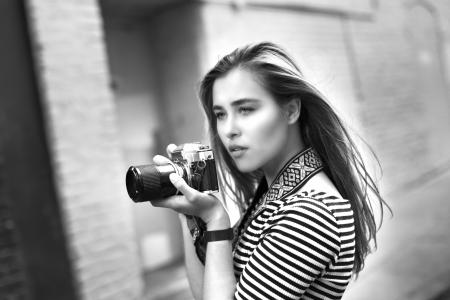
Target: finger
x=179, y=204
x=174, y=202
x=182, y=186
x=170, y=149
x=161, y=160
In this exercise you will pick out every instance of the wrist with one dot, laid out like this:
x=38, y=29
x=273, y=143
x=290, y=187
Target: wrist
x=219, y=221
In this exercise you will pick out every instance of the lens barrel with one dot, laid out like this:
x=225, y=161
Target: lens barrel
x=149, y=182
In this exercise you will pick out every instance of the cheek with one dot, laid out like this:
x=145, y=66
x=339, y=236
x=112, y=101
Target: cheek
x=220, y=132
x=270, y=130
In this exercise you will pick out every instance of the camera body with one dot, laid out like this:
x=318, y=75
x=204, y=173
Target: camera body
x=193, y=162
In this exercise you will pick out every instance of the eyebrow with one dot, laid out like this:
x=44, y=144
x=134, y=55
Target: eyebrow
x=238, y=102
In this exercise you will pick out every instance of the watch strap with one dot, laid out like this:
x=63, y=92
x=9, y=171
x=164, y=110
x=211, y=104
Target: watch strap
x=219, y=235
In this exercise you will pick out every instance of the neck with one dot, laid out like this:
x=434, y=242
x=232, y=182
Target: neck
x=292, y=146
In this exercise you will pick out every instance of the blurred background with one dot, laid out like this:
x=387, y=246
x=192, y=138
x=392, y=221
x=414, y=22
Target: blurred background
x=89, y=87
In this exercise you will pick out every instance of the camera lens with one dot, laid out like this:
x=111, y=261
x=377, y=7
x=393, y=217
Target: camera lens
x=133, y=182
x=149, y=182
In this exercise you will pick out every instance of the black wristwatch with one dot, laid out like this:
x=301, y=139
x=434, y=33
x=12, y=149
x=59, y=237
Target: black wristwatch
x=201, y=236
x=219, y=235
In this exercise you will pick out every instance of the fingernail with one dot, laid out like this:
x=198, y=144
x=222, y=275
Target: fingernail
x=171, y=147
x=174, y=177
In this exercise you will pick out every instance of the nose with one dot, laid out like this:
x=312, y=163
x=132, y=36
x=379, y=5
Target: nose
x=231, y=128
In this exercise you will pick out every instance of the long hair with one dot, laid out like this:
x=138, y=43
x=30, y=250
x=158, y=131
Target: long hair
x=320, y=127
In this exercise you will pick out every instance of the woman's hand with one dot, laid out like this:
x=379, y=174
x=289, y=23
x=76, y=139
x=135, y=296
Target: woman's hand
x=192, y=202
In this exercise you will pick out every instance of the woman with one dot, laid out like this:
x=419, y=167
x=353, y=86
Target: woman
x=285, y=157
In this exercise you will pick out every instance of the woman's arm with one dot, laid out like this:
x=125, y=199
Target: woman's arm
x=218, y=276
x=194, y=267
x=219, y=281
x=216, y=279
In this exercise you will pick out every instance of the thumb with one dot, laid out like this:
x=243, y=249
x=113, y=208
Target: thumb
x=170, y=149
x=181, y=185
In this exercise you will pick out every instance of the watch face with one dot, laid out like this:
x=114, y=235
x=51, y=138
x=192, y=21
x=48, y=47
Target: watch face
x=200, y=250
x=195, y=232
x=197, y=228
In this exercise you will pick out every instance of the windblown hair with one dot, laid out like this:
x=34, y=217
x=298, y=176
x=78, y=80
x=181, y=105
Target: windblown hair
x=320, y=127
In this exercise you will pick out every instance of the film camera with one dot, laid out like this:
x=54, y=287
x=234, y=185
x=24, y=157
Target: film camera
x=194, y=162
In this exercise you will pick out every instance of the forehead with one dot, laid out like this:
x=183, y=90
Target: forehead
x=238, y=84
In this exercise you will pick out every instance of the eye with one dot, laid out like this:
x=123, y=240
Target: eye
x=246, y=110
x=220, y=115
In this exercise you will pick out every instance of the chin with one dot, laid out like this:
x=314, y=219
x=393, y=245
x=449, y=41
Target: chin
x=247, y=168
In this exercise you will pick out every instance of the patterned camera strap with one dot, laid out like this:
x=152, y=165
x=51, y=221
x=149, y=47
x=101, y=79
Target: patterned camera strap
x=289, y=180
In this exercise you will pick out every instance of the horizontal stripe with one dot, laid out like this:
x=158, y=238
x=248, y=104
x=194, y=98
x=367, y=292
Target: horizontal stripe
x=299, y=246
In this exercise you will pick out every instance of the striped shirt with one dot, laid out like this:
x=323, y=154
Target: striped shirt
x=301, y=246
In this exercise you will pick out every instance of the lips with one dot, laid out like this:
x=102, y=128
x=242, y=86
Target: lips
x=236, y=151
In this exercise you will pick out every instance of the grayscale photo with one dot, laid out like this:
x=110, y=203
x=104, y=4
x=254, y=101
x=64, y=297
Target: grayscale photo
x=224, y=149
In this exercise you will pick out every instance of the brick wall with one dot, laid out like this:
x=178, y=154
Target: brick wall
x=367, y=67
x=80, y=115
x=13, y=282
x=400, y=119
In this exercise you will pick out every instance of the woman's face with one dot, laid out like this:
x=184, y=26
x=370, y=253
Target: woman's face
x=250, y=123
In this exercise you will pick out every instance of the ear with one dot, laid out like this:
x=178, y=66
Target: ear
x=293, y=108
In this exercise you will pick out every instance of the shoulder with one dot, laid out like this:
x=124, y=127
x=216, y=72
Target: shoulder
x=307, y=221
x=322, y=211
x=332, y=206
